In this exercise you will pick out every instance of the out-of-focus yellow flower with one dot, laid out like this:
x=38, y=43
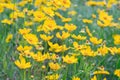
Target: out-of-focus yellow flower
x=87, y=21
x=9, y=37
x=39, y=57
x=53, y=77
x=46, y=38
x=72, y=13
x=94, y=78
x=7, y=21
x=69, y=59
x=54, y=66
x=28, y=23
x=1, y=8
x=95, y=40
x=57, y=48
x=70, y=27
x=93, y=16
x=66, y=19
x=64, y=35
x=22, y=64
x=116, y=39
x=103, y=50
x=24, y=31
x=101, y=72
x=75, y=78
x=88, y=31
x=79, y=37
x=22, y=49
x=117, y=72
x=31, y=38
x=110, y=3
x=39, y=16
x=95, y=3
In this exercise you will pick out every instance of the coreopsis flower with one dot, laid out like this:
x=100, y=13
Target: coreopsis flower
x=66, y=19
x=28, y=23
x=94, y=78
x=7, y=21
x=104, y=19
x=22, y=49
x=95, y=40
x=39, y=57
x=87, y=21
x=31, y=38
x=88, y=52
x=52, y=77
x=88, y=31
x=117, y=72
x=69, y=59
x=22, y=64
x=103, y=50
x=45, y=37
x=54, y=66
x=72, y=13
x=78, y=37
x=9, y=37
x=64, y=35
x=70, y=27
x=116, y=39
x=102, y=71
x=95, y=3
x=75, y=78
x=56, y=47
x=24, y=31
x=93, y=16
x=110, y=3
x=1, y=8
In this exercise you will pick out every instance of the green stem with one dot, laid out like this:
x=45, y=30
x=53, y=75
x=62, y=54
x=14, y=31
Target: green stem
x=24, y=75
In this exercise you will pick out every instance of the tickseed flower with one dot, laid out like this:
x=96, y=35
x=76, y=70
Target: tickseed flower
x=94, y=78
x=116, y=39
x=28, y=23
x=22, y=49
x=53, y=77
x=88, y=31
x=9, y=37
x=75, y=78
x=102, y=71
x=70, y=27
x=117, y=72
x=24, y=31
x=54, y=66
x=103, y=50
x=104, y=19
x=7, y=21
x=87, y=21
x=64, y=35
x=78, y=37
x=95, y=40
x=56, y=47
x=31, y=38
x=45, y=37
x=69, y=59
x=72, y=13
x=22, y=64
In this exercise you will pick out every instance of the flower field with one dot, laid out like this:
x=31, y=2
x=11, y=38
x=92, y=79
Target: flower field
x=60, y=39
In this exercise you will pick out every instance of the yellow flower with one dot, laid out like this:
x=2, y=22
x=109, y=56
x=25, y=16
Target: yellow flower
x=95, y=3
x=88, y=31
x=9, y=37
x=104, y=19
x=116, y=39
x=93, y=16
x=103, y=50
x=39, y=16
x=22, y=49
x=79, y=37
x=87, y=21
x=39, y=57
x=72, y=13
x=54, y=66
x=117, y=72
x=64, y=35
x=57, y=48
x=75, y=78
x=66, y=19
x=22, y=64
x=46, y=38
x=53, y=77
x=101, y=72
x=70, y=27
x=6, y=21
x=31, y=38
x=69, y=59
x=24, y=31
x=94, y=78
x=28, y=23
x=95, y=40
x=1, y=8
